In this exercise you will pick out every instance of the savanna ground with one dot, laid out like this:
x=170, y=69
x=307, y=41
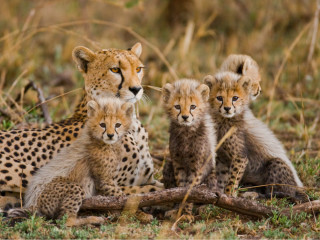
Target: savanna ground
x=191, y=38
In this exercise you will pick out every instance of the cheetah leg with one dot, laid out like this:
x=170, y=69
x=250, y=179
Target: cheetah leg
x=168, y=175
x=62, y=197
x=237, y=168
x=223, y=175
x=7, y=202
x=211, y=179
x=71, y=205
x=129, y=190
x=108, y=188
x=277, y=172
x=74, y=221
x=154, y=182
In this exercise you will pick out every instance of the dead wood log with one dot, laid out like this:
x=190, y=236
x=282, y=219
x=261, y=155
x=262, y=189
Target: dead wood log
x=244, y=206
x=199, y=194
x=308, y=207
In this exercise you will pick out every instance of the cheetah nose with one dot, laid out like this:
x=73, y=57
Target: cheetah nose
x=110, y=135
x=185, y=117
x=227, y=109
x=135, y=90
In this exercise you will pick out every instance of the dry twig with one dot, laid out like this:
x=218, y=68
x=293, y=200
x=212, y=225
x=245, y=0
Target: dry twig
x=280, y=70
x=42, y=100
x=314, y=33
x=199, y=194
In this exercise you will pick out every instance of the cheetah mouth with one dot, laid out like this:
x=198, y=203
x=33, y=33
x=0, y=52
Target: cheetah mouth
x=129, y=97
x=108, y=141
x=133, y=100
x=185, y=123
x=228, y=115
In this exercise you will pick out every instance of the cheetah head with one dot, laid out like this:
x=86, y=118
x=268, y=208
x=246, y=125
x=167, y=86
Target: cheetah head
x=185, y=101
x=109, y=119
x=230, y=93
x=111, y=72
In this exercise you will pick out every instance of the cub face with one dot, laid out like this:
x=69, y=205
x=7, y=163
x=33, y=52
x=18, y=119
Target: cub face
x=185, y=101
x=111, y=72
x=229, y=93
x=109, y=119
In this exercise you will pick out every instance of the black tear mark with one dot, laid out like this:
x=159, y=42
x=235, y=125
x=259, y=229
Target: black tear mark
x=190, y=113
x=120, y=85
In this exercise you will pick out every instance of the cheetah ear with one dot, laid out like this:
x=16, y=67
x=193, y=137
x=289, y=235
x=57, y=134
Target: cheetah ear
x=128, y=108
x=166, y=91
x=204, y=90
x=82, y=56
x=245, y=67
x=245, y=83
x=137, y=49
x=209, y=80
x=92, y=108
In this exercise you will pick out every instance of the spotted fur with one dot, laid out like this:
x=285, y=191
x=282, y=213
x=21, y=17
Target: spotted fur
x=87, y=167
x=192, y=136
x=252, y=155
x=23, y=152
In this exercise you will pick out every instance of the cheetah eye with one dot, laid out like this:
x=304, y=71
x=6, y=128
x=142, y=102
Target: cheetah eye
x=177, y=107
x=235, y=98
x=138, y=69
x=115, y=70
x=118, y=125
x=220, y=98
x=103, y=125
x=193, y=107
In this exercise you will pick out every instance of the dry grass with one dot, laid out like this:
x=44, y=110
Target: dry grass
x=37, y=37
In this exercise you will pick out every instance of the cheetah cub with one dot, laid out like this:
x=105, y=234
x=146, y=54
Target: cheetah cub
x=244, y=65
x=192, y=137
x=85, y=168
x=252, y=155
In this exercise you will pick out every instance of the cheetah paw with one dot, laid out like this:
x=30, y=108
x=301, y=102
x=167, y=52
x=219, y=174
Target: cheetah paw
x=186, y=218
x=230, y=191
x=171, y=214
x=144, y=217
x=250, y=195
x=74, y=221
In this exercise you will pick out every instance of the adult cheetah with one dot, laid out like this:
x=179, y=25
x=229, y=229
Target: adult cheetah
x=108, y=72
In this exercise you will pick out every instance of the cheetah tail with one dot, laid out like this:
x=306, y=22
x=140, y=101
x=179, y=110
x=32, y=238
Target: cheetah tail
x=21, y=212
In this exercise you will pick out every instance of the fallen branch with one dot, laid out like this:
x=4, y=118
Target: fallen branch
x=308, y=207
x=199, y=194
x=244, y=206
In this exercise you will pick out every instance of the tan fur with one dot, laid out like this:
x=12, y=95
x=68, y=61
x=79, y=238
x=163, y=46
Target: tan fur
x=23, y=152
x=192, y=137
x=101, y=81
x=85, y=168
x=252, y=155
x=244, y=65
